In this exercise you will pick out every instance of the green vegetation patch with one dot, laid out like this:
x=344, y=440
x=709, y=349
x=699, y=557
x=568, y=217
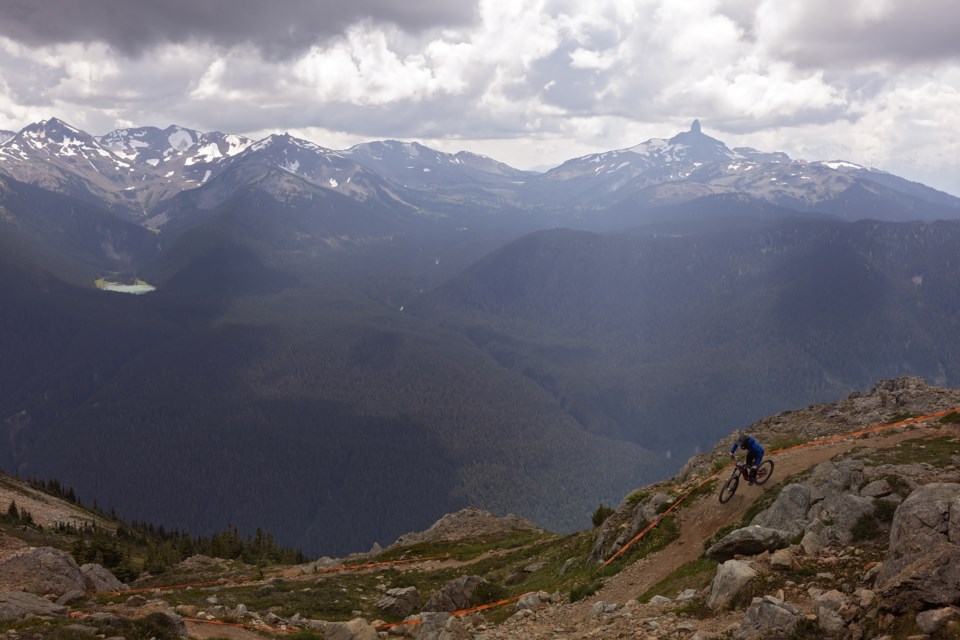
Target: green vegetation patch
x=937, y=451
x=950, y=418
x=153, y=626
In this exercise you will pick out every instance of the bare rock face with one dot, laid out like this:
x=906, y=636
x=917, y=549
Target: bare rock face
x=922, y=566
x=41, y=570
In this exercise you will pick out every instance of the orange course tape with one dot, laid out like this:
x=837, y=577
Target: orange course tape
x=812, y=443
x=461, y=612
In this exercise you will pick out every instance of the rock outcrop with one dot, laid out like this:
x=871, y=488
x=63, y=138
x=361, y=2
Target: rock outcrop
x=922, y=566
x=41, y=571
x=454, y=595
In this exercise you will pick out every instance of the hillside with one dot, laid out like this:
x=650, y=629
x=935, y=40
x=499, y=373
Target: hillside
x=836, y=565
x=668, y=335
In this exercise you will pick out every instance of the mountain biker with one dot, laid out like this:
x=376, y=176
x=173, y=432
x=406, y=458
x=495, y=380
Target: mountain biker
x=754, y=453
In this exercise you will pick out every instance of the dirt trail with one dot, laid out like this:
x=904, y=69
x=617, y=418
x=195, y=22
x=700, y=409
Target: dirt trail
x=204, y=631
x=699, y=521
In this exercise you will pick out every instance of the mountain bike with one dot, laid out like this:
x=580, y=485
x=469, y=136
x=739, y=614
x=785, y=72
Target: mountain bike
x=764, y=471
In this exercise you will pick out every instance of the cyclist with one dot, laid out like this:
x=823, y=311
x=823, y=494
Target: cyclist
x=754, y=453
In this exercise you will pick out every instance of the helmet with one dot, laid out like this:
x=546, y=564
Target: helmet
x=742, y=438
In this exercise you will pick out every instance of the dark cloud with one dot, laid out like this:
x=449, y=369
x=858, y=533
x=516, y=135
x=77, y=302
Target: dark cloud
x=279, y=28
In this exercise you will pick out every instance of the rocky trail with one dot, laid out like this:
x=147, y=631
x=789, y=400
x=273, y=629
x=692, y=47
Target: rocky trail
x=698, y=522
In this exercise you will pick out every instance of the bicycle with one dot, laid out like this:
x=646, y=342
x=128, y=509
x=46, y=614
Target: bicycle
x=764, y=471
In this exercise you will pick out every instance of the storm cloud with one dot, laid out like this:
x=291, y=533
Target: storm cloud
x=280, y=28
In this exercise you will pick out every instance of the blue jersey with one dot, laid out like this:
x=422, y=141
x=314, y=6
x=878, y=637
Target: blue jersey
x=750, y=445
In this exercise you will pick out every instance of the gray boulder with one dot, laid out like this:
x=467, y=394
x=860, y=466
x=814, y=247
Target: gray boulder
x=98, y=580
x=16, y=605
x=789, y=511
x=41, y=570
x=454, y=595
x=932, y=621
x=922, y=566
x=748, y=541
x=400, y=602
x=356, y=629
x=834, y=517
x=768, y=618
x=731, y=577
x=877, y=489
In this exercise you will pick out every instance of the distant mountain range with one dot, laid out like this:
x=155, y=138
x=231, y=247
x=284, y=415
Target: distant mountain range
x=137, y=171
x=344, y=345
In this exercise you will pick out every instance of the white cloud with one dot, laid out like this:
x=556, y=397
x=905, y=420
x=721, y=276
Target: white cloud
x=544, y=80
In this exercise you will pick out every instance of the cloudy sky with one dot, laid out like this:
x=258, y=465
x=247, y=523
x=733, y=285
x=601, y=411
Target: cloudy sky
x=529, y=82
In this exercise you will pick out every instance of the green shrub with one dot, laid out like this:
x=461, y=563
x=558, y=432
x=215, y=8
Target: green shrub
x=951, y=418
x=883, y=510
x=584, y=590
x=601, y=514
x=637, y=497
x=865, y=528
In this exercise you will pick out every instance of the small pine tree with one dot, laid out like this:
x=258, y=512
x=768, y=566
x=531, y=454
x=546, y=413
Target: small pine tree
x=602, y=513
x=13, y=511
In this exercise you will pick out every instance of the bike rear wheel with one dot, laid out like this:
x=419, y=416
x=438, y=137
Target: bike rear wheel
x=729, y=488
x=764, y=471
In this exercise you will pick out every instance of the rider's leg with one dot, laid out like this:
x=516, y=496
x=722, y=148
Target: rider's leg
x=752, y=462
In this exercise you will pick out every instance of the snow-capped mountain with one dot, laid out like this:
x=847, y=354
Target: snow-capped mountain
x=148, y=175
x=286, y=168
x=415, y=166
x=187, y=153
x=692, y=165
x=56, y=156
x=6, y=135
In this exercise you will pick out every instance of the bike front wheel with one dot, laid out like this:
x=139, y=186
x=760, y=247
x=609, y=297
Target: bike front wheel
x=729, y=488
x=764, y=471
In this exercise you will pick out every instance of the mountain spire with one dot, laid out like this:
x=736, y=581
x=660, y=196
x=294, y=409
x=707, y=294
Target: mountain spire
x=695, y=126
